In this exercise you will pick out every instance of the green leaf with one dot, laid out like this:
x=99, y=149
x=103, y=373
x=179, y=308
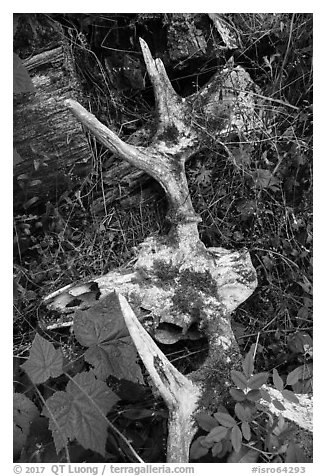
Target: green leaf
x=295, y=376
x=44, y=361
x=236, y=438
x=79, y=413
x=253, y=395
x=257, y=380
x=225, y=419
x=104, y=322
x=224, y=447
x=277, y=404
x=110, y=348
x=217, y=449
x=59, y=410
x=24, y=413
x=243, y=412
x=290, y=396
x=294, y=454
x=17, y=157
x=237, y=394
x=197, y=450
x=243, y=456
x=278, y=382
x=119, y=360
x=239, y=379
x=248, y=364
x=240, y=411
x=249, y=413
x=246, y=431
x=22, y=80
x=265, y=395
x=216, y=434
x=206, y=422
x=307, y=371
x=281, y=426
x=303, y=386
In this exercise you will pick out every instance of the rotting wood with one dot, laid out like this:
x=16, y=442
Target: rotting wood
x=176, y=279
x=53, y=147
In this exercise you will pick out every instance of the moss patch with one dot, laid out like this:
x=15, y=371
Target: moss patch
x=189, y=287
x=198, y=281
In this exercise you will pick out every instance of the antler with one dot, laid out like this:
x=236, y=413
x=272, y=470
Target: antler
x=176, y=278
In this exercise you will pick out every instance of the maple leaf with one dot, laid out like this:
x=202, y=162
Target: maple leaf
x=79, y=413
x=110, y=348
x=44, y=361
x=61, y=416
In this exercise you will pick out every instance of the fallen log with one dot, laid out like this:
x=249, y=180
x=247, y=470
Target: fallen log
x=176, y=283
x=53, y=151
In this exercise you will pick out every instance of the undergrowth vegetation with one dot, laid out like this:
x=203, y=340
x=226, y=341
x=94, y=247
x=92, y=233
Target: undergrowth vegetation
x=252, y=191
